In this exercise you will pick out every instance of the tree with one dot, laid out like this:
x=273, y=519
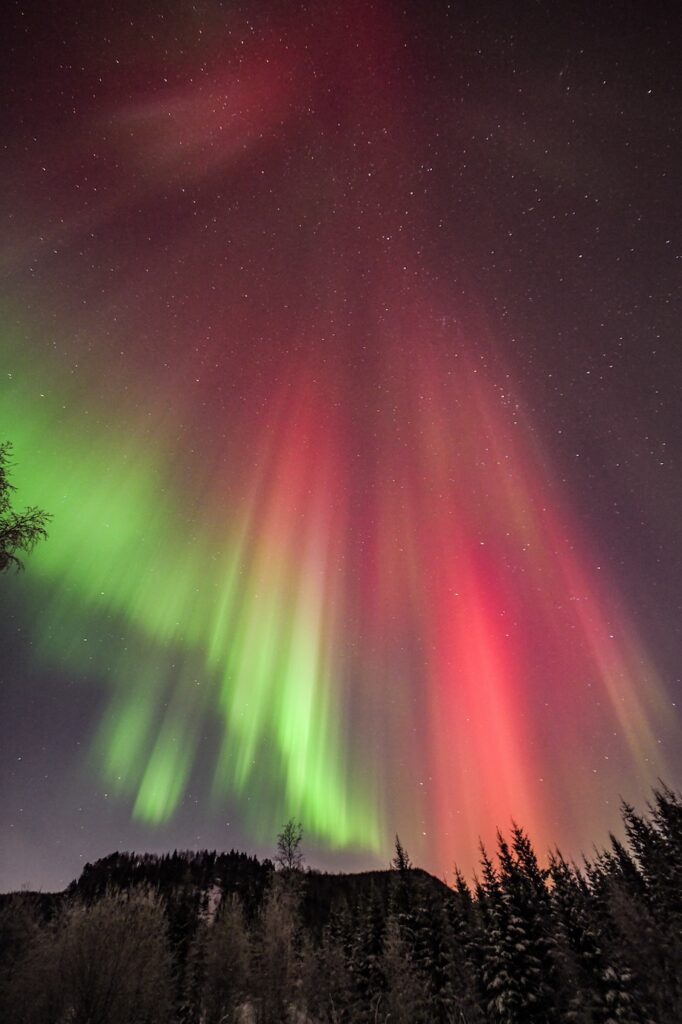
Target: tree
x=219, y=965
x=402, y=896
x=595, y=988
x=364, y=945
x=30, y=992
x=519, y=972
x=326, y=978
x=111, y=962
x=19, y=531
x=401, y=861
x=289, y=856
x=466, y=960
x=404, y=996
x=276, y=954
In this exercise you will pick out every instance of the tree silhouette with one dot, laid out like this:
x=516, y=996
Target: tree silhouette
x=19, y=531
x=289, y=856
x=141, y=939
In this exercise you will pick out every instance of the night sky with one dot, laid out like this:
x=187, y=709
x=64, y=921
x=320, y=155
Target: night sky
x=342, y=341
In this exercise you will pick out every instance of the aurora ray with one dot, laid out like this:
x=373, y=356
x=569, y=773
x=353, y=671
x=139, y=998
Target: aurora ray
x=315, y=549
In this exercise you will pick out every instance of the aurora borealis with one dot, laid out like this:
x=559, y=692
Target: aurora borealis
x=340, y=342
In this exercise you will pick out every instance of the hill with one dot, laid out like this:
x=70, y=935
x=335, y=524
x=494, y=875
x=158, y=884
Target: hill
x=210, y=938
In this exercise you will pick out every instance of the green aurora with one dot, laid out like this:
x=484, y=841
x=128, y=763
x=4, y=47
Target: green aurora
x=238, y=635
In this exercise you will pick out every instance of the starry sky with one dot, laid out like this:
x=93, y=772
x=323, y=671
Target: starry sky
x=341, y=340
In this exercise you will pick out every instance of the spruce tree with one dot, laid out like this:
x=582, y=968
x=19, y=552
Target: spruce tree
x=653, y=845
x=596, y=988
x=616, y=984
x=465, y=960
x=404, y=1001
x=519, y=969
x=364, y=953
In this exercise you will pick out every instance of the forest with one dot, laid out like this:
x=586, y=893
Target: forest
x=213, y=938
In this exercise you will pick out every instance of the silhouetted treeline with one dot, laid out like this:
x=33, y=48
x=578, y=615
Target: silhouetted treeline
x=206, y=938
